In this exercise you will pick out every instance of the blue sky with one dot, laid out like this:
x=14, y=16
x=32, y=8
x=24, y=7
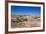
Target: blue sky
x=25, y=10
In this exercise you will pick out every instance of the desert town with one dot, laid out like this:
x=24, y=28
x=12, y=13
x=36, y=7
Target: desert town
x=20, y=21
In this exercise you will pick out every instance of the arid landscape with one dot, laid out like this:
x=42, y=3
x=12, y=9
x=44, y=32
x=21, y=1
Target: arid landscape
x=25, y=16
x=20, y=21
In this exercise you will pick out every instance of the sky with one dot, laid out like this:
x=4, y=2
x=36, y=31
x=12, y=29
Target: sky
x=25, y=10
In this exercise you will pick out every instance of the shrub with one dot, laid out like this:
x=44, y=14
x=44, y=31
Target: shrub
x=25, y=19
x=18, y=20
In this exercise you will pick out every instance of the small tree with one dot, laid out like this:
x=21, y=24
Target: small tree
x=18, y=20
x=25, y=19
